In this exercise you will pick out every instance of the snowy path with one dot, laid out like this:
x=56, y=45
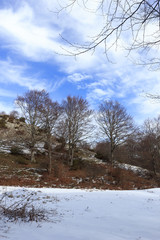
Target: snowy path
x=90, y=215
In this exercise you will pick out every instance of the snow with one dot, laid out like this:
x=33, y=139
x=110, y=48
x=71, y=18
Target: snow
x=133, y=168
x=75, y=214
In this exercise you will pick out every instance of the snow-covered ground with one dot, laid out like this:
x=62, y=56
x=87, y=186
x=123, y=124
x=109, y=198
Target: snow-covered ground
x=135, y=169
x=86, y=215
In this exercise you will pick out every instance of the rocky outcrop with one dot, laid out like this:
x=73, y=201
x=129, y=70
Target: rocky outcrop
x=8, y=123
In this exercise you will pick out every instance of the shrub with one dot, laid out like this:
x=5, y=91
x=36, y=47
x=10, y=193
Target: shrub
x=77, y=164
x=58, y=148
x=44, y=164
x=19, y=132
x=86, y=146
x=21, y=161
x=11, y=119
x=16, y=150
x=102, y=151
x=5, y=116
x=22, y=119
x=94, y=170
x=117, y=174
x=22, y=210
x=2, y=123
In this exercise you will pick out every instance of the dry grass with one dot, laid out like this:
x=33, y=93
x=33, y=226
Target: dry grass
x=88, y=175
x=22, y=210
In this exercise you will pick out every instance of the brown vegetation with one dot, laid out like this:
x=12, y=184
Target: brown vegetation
x=16, y=170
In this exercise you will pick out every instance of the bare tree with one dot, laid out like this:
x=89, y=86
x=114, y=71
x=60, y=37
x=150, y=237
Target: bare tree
x=133, y=147
x=2, y=113
x=31, y=104
x=77, y=121
x=51, y=111
x=60, y=130
x=115, y=124
x=139, y=19
x=102, y=149
x=14, y=114
x=150, y=143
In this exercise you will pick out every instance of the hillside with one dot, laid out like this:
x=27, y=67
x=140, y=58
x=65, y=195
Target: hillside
x=87, y=171
x=16, y=170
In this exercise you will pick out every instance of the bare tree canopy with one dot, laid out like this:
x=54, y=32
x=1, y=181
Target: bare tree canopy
x=76, y=122
x=14, y=114
x=116, y=125
x=31, y=105
x=138, y=22
x=150, y=142
x=153, y=97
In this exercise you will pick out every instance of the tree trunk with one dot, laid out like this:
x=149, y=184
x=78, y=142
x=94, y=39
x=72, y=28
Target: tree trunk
x=112, y=156
x=49, y=152
x=112, y=150
x=72, y=156
x=33, y=160
x=154, y=164
x=50, y=158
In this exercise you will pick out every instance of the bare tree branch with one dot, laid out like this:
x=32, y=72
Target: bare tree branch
x=121, y=16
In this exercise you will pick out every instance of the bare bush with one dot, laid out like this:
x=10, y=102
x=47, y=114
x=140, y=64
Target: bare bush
x=22, y=210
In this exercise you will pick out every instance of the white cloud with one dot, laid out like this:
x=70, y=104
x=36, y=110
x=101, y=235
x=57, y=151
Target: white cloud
x=99, y=92
x=57, y=84
x=6, y=93
x=32, y=31
x=78, y=77
x=144, y=108
x=6, y=107
x=24, y=35
x=17, y=74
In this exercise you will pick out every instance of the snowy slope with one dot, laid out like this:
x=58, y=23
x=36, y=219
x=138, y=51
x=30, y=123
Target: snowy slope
x=87, y=215
x=135, y=169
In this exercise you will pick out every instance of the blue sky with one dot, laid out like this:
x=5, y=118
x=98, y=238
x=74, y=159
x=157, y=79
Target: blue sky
x=29, y=41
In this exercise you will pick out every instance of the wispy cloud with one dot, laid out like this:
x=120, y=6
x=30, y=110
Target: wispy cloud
x=17, y=74
x=78, y=77
x=30, y=32
x=7, y=93
x=57, y=84
x=24, y=35
x=6, y=107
